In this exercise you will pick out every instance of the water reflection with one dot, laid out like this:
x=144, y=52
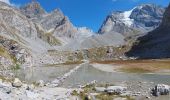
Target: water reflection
x=42, y=73
x=88, y=73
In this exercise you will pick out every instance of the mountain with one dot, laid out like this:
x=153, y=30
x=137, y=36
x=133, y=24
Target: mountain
x=140, y=19
x=55, y=22
x=156, y=44
x=29, y=32
x=96, y=41
x=122, y=28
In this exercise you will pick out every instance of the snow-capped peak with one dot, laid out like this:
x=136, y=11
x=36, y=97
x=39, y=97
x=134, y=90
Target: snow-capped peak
x=126, y=17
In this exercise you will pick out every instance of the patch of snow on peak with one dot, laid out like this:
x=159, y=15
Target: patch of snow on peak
x=126, y=17
x=140, y=7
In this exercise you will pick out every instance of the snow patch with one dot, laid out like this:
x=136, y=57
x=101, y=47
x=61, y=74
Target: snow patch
x=126, y=18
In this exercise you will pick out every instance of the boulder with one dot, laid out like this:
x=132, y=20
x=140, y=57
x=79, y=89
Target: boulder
x=115, y=89
x=100, y=89
x=41, y=83
x=161, y=89
x=17, y=83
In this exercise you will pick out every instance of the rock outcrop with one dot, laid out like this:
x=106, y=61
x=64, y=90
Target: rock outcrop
x=160, y=89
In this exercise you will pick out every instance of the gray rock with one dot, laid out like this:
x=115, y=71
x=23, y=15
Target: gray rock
x=17, y=83
x=41, y=83
x=116, y=89
x=100, y=89
x=161, y=89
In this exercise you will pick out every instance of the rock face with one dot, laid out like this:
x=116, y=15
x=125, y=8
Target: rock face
x=156, y=43
x=140, y=19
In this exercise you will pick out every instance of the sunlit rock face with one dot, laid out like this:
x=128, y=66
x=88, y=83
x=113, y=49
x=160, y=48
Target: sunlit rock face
x=139, y=20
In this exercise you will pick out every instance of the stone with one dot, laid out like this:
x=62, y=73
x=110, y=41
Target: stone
x=116, y=89
x=160, y=89
x=25, y=86
x=100, y=89
x=148, y=97
x=31, y=87
x=17, y=83
x=41, y=83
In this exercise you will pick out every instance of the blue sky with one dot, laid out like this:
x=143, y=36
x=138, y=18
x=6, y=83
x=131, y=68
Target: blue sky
x=90, y=13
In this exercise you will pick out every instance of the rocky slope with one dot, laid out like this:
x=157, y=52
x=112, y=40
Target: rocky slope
x=156, y=43
x=19, y=36
x=140, y=19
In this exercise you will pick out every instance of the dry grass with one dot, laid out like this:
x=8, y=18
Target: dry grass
x=140, y=66
x=6, y=54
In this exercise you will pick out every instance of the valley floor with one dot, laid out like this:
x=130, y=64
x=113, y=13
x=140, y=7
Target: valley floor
x=59, y=81
x=135, y=66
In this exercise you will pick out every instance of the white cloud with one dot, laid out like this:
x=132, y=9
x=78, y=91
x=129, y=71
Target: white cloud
x=6, y=1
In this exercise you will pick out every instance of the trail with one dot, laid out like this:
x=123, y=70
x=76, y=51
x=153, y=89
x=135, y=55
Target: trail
x=60, y=80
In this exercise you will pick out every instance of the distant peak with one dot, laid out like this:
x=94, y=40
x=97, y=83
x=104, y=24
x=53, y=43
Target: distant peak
x=33, y=9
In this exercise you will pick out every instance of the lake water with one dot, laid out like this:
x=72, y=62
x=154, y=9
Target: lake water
x=43, y=73
x=88, y=73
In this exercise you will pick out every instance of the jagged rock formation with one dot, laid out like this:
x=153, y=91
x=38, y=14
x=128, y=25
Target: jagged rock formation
x=55, y=22
x=156, y=43
x=33, y=10
x=139, y=20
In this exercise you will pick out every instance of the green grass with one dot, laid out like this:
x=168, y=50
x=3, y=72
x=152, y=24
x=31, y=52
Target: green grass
x=52, y=40
x=100, y=96
x=16, y=67
x=6, y=54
